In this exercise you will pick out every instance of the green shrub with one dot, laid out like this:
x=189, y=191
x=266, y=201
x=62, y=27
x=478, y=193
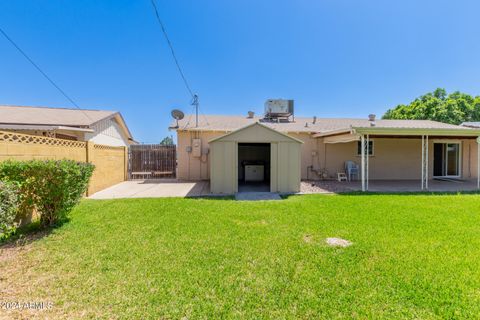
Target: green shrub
x=9, y=200
x=52, y=187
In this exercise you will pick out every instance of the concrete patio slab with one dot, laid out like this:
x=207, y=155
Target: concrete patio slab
x=160, y=188
x=388, y=186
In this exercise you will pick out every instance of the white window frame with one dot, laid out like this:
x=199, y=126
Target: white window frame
x=372, y=150
x=460, y=158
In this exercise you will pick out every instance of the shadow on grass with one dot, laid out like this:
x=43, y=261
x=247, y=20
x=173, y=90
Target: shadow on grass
x=212, y=197
x=411, y=193
x=397, y=193
x=29, y=233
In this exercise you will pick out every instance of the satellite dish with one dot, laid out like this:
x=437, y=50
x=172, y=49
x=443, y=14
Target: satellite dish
x=177, y=114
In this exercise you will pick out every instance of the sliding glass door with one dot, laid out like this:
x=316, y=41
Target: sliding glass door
x=446, y=159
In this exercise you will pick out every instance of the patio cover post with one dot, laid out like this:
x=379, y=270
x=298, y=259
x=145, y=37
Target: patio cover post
x=423, y=161
x=426, y=162
x=367, y=153
x=362, y=138
x=478, y=162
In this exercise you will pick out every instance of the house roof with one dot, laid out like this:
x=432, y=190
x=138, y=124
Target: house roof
x=46, y=116
x=41, y=127
x=51, y=116
x=321, y=125
x=473, y=124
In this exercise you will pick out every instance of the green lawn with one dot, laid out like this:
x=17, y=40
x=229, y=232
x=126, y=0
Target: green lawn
x=414, y=256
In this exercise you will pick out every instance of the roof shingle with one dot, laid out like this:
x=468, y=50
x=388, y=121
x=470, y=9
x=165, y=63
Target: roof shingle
x=51, y=116
x=302, y=124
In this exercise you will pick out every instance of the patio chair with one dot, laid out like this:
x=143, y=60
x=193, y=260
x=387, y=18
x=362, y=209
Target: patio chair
x=341, y=176
x=352, y=169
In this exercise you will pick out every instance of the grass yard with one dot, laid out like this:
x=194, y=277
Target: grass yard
x=413, y=256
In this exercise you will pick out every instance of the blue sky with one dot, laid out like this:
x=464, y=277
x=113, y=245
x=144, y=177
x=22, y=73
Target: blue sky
x=336, y=58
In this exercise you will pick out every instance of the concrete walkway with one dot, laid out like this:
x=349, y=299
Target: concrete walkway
x=255, y=196
x=160, y=188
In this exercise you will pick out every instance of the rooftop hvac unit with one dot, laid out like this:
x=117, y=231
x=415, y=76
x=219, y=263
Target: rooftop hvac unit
x=278, y=108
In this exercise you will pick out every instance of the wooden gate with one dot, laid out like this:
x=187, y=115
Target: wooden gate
x=152, y=161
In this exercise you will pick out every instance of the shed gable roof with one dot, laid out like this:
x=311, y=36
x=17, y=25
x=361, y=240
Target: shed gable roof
x=256, y=132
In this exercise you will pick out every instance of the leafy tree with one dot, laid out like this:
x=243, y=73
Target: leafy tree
x=453, y=108
x=167, y=141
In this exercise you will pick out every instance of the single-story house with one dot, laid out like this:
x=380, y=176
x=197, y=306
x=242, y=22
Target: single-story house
x=99, y=126
x=279, y=152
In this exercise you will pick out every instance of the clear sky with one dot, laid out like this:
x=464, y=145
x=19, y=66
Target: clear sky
x=335, y=58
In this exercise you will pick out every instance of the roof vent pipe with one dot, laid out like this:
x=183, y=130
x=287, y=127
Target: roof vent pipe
x=251, y=114
x=371, y=118
x=314, y=119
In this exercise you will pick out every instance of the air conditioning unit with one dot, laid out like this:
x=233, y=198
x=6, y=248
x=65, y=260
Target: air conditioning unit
x=276, y=108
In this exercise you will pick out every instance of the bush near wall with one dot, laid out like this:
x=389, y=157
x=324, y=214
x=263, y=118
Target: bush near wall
x=9, y=202
x=51, y=187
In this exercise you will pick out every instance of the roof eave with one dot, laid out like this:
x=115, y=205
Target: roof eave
x=331, y=133
x=418, y=131
x=42, y=127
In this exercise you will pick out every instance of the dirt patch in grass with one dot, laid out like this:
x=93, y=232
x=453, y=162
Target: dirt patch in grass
x=19, y=277
x=11, y=249
x=308, y=238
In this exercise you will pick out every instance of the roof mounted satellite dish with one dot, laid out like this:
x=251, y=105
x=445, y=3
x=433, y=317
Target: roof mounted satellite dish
x=177, y=115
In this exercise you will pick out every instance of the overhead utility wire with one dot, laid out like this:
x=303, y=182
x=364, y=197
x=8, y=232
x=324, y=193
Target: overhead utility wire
x=172, y=50
x=194, y=96
x=41, y=71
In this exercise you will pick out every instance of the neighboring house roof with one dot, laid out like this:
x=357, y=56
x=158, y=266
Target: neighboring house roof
x=41, y=127
x=321, y=125
x=25, y=117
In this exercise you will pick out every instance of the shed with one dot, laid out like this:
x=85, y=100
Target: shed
x=280, y=153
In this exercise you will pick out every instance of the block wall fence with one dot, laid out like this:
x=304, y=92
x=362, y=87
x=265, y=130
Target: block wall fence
x=110, y=162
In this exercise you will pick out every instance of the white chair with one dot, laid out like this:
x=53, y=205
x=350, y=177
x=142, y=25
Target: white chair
x=341, y=176
x=352, y=169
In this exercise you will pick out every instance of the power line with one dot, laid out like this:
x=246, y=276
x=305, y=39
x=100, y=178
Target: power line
x=40, y=70
x=172, y=50
x=194, y=96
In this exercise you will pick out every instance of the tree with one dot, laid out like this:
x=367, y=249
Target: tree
x=167, y=141
x=453, y=108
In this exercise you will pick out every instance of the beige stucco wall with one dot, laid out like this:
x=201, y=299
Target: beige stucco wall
x=188, y=166
x=392, y=159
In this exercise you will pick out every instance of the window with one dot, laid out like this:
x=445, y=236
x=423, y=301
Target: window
x=370, y=148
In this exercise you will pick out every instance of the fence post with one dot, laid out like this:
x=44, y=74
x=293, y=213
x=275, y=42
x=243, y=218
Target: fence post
x=90, y=156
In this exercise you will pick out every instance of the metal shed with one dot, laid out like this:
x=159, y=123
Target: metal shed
x=284, y=164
